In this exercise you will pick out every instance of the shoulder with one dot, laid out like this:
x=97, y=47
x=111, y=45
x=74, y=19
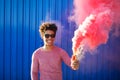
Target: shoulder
x=60, y=50
x=36, y=52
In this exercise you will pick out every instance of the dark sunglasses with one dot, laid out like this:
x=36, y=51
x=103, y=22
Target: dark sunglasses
x=49, y=35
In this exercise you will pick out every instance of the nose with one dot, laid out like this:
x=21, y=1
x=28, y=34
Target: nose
x=50, y=37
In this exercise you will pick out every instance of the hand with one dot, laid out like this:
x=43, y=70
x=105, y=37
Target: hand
x=75, y=63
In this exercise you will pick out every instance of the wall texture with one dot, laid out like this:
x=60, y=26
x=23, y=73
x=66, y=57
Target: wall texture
x=19, y=24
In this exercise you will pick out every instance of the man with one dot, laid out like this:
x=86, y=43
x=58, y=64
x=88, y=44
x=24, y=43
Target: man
x=48, y=58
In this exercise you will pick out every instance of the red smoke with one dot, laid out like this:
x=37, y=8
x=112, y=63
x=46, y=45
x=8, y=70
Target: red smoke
x=95, y=19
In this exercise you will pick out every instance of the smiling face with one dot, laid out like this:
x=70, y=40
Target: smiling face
x=48, y=31
x=48, y=38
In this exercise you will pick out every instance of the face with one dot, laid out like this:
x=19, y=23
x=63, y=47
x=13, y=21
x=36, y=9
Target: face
x=49, y=38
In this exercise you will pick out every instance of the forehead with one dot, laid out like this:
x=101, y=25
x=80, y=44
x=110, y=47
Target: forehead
x=49, y=32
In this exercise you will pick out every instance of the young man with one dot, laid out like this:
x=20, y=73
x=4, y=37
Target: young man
x=48, y=59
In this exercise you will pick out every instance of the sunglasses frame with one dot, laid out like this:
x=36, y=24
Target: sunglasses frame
x=49, y=35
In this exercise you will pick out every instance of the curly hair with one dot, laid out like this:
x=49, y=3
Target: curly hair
x=47, y=26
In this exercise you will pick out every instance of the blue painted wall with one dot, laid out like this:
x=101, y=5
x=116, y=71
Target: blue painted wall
x=19, y=24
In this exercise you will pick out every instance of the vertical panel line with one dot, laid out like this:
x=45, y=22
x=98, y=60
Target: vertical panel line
x=17, y=40
x=29, y=35
x=10, y=34
x=22, y=36
x=4, y=44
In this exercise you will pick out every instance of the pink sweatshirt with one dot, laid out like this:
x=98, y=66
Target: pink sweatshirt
x=48, y=63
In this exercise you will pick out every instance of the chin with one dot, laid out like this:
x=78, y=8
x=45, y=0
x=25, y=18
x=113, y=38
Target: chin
x=49, y=44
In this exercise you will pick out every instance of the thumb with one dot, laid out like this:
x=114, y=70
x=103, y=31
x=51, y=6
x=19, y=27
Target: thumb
x=73, y=57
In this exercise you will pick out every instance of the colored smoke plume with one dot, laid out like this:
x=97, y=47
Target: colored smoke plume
x=95, y=19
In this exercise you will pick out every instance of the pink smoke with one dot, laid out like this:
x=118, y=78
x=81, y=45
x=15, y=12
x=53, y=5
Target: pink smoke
x=94, y=19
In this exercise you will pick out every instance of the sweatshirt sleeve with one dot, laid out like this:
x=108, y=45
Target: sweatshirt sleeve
x=65, y=57
x=34, y=66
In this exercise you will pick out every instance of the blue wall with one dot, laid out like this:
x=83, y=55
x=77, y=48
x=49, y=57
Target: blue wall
x=19, y=24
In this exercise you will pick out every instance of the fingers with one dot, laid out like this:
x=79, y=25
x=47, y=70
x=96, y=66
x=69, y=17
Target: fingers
x=75, y=64
x=75, y=67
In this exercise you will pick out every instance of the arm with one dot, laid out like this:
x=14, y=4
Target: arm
x=34, y=76
x=34, y=67
x=65, y=57
x=72, y=62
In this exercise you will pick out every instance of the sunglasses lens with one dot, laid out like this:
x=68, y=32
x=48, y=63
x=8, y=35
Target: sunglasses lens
x=46, y=35
x=52, y=36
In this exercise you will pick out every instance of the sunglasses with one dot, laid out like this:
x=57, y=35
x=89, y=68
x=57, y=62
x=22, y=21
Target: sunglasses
x=49, y=35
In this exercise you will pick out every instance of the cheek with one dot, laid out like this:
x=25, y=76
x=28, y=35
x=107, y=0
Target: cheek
x=53, y=39
x=44, y=39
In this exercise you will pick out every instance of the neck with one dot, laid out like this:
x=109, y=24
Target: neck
x=48, y=48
